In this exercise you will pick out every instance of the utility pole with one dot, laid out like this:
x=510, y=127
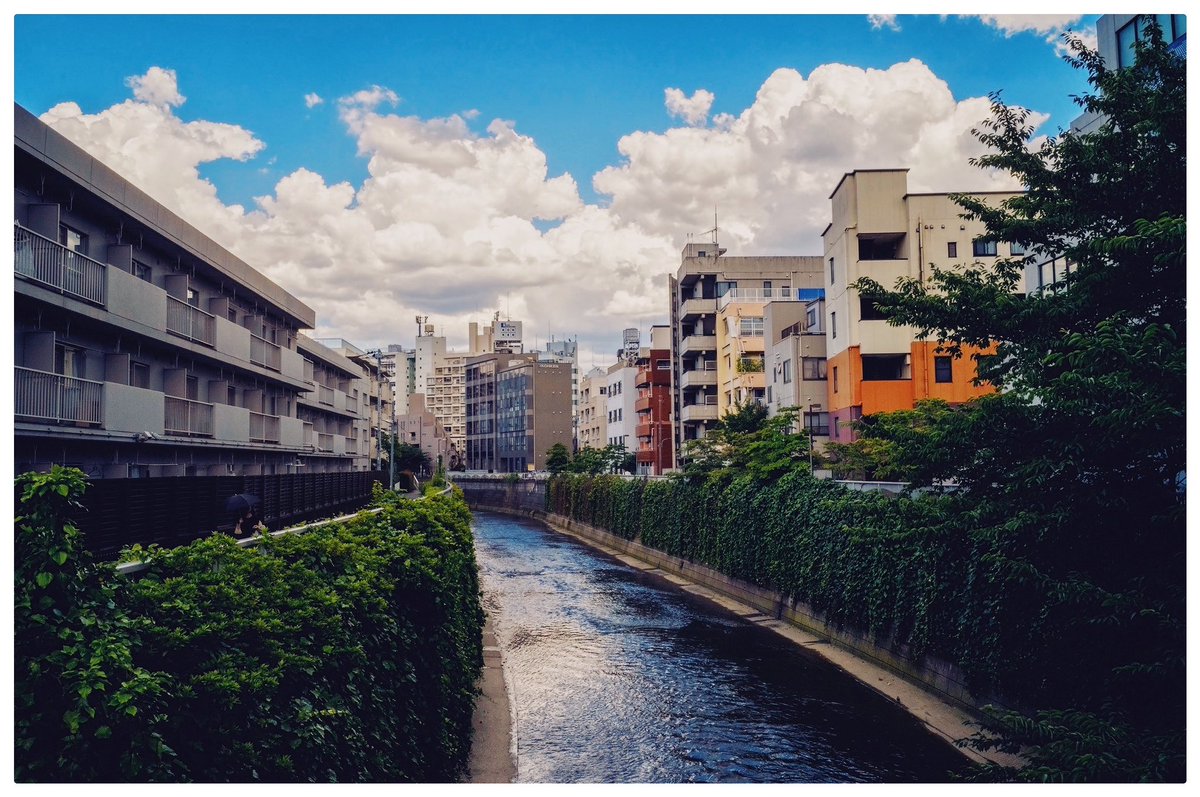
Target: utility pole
x=811, y=437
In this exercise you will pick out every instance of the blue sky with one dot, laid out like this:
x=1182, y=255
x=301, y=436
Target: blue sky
x=572, y=87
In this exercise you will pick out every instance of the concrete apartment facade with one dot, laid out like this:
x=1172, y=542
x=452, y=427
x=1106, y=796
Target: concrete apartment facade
x=335, y=416
x=372, y=393
x=880, y=230
x=141, y=347
x=516, y=409
x=654, y=451
x=796, y=372
x=706, y=275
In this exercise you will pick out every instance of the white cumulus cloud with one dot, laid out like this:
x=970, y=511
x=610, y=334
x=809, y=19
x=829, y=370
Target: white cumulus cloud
x=157, y=87
x=312, y=100
x=1049, y=27
x=694, y=109
x=455, y=219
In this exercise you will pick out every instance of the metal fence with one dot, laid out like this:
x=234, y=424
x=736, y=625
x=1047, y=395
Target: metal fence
x=173, y=511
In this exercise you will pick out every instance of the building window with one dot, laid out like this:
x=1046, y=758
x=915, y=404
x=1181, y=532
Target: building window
x=70, y=361
x=816, y=423
x=1016, y=249
x=943, y=369
x=193, y=298
x=983, y=248
x=141, y=271
x=814, y=369
x=952, y=249
x=725, y=287
x=831, y=273
x=869, y=311
x=139, y=374
x=750, y=326
x=73, y=239
x=833, y=325
x=787, y=372
x=835, y=379
x=766, y=289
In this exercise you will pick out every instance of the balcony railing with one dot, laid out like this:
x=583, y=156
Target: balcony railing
x=324, y=442
x=53, y=398
x=48, y=262
x=264, y=428
x=351, y=445
x=352, y=404
x=186, y=417
x=264, y=353
x=756, y=295
x=325, y=395
x=190, y=322
x=310, y=435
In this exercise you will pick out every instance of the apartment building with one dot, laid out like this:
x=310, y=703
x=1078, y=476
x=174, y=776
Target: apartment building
x=654, y=449
x=705, y=275
x=142, y=348
x=336, y=427
x=796, y=372
x=566, y=351
x=880, y=230
x=592, y=423
x=621, y=395
x=372, y=394
x=516, y=409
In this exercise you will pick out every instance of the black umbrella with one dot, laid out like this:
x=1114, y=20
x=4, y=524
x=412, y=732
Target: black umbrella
x=241, y=503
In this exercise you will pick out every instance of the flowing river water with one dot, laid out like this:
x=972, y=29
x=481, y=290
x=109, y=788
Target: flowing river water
x=616, y=676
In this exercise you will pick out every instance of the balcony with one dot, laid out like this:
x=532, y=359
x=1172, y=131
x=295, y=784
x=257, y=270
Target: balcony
x=696, y=344
x=264, y=428
x=190, y=322
x=643, y=404
x=351, y=445
x=707, y=378
x=53, y=265
x=643, y=430
x=325, y=442
x=310, y=436
x=352, y=404
x=186, y=417
x=699, y=412
x=325, y=395
x=697, y=307
x=264, y=353
x=52, y=398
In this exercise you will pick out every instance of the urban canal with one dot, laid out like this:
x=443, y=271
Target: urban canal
x=617, y=677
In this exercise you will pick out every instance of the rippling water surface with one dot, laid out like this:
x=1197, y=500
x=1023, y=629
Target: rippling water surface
x=617, y=677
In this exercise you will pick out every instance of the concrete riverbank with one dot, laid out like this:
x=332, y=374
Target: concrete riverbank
x=491, y=759
x=943, y=715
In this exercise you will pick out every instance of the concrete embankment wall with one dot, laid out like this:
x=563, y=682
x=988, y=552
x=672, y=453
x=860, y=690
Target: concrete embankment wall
x=527, y=497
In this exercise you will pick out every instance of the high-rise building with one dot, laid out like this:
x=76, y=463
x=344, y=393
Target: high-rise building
x=882, y=231
x=516, y=409
x=706, y=275
x=621, y=394
x=566, y=351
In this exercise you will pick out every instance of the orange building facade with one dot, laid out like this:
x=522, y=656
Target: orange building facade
x=881, y=231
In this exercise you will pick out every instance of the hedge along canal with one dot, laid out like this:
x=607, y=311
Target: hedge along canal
x=617, y=676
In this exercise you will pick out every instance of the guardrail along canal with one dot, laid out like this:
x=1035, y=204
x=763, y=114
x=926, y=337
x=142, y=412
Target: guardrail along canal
x=615, y=676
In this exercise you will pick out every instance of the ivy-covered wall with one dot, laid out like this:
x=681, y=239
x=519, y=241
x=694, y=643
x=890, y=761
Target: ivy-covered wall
x=345, y=654
x=907, y=572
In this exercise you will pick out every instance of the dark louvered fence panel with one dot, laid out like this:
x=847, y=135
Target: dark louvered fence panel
x=175, y=511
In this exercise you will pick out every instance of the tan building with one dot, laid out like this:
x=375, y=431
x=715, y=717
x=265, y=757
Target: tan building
x=593, y=409
x=880, y=230
x=420, y=427
x=705, y=276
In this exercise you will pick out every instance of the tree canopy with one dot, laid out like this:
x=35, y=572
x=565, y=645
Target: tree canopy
x=1075, y=467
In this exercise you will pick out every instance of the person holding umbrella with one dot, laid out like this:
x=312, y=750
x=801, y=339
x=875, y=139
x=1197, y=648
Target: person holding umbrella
x=247, y=520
